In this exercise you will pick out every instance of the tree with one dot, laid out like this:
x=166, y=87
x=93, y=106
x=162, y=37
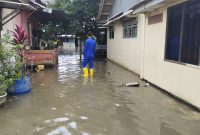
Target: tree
x=81, y=13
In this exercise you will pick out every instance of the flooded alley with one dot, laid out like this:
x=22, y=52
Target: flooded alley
x=62, y=102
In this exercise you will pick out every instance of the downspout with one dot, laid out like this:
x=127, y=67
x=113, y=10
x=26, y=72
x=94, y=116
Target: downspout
x=143, y=48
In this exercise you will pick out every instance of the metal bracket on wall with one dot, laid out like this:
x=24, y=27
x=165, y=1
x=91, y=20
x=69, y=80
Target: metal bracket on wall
x=14, y=15
x=8, y=15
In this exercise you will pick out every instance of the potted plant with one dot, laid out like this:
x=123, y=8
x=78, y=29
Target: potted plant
x=10, y=66
x=20, y=42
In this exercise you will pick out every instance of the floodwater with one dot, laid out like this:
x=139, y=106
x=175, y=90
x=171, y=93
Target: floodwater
x=62, y=102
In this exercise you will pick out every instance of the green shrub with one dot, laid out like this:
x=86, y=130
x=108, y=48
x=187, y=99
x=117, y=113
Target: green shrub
x=10, y=64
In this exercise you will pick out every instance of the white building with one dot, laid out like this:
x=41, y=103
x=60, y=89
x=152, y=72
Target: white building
x=159, y=41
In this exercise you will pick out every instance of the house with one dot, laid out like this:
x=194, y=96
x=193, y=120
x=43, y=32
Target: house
x=125, y=33
x=158, y=40
x=30, y=14
x=18, y=12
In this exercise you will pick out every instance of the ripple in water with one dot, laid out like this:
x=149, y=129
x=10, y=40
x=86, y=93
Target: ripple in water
x=68, y=67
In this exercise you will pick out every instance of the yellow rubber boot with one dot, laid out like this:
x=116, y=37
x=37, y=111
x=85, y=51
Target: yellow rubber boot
x=85, y=72
x=91, y=72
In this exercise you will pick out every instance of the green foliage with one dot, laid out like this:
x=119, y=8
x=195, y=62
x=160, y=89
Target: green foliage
x=10, y=64
x=81, y=13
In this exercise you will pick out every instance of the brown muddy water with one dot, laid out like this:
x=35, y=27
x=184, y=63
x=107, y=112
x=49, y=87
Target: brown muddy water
x=62, y=102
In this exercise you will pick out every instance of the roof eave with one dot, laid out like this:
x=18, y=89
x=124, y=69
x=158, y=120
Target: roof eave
x=15, y=5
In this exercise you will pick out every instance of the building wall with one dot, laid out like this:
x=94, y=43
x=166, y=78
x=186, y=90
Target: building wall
x=10, y=24
x=126, y=51
x=180, y=80
x=20, y=20
x=122, y=6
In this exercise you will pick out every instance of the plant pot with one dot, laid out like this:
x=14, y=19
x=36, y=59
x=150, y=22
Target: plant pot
x=3, y=99
x=21, y=86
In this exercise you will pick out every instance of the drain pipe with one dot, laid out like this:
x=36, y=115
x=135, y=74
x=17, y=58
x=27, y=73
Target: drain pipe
x=143, y=48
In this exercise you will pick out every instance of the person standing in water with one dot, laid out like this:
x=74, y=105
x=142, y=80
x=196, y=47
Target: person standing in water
x=89, y=53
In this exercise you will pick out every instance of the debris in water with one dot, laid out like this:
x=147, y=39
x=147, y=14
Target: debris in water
x=133, y=84
x=147, y=84
x=61, y=119
x=41, y=84
x=64, y=119
x=39, y=68
x=85, y=133
x=60, y=130
x=53, y=108
x=117, y=105
x=47, y=121
x=72, y=124
x=83, y=118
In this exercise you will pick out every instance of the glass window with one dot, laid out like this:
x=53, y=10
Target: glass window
x=174, y=32
x=130, y=29
x=183, y=30
x=111, y=33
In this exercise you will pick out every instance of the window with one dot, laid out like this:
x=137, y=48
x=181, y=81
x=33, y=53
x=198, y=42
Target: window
x=111, y=33
x=183, y=31
x=130, y=29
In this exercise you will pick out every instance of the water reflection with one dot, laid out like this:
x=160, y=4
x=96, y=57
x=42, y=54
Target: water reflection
x=68, y=63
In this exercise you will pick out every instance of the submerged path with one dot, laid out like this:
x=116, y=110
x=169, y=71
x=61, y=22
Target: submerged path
x=62, y=102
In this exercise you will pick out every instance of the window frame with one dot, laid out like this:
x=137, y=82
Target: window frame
x=179, y=61
x=130, y=29
x=111, y=32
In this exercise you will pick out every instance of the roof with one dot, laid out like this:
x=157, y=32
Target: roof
x=15, y=5
x=149, y=5
x=55, y=15
x=125, y=15
x=141, y=7
x=104, y=10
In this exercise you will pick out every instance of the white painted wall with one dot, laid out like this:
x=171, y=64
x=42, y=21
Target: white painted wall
x=182, y=81
x=126, y=51
x=10, y=24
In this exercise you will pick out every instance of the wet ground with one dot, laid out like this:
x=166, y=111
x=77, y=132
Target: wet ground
x=62, y=102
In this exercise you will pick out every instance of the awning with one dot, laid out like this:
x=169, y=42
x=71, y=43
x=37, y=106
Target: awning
x=44, y=17
x=15, y=5
x=127, y=14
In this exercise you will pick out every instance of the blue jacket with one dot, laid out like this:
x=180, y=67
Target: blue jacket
x=89, y=48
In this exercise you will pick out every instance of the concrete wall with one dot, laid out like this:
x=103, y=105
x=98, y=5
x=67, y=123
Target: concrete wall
x=10, y=24
x=20, y=20
x=126, y=51
x=180, y=80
